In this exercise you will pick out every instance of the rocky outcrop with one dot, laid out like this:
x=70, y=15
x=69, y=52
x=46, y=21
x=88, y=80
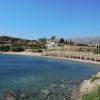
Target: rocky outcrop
x=58, y=90
x=9, y=95
x=88, y=86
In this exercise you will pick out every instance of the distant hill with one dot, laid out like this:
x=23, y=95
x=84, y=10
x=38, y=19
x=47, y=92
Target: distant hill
x=7, y=38
x=93, y=40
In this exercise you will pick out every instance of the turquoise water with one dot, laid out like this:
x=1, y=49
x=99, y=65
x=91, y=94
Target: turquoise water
x=42, y=78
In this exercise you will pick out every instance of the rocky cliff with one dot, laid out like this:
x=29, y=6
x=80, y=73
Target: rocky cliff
x=87, y=86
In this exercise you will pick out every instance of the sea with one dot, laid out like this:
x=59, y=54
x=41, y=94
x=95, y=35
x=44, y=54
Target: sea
x=42, y=78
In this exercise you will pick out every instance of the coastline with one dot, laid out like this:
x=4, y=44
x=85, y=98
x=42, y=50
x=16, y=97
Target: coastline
x=76, y=60
x=21, y=53
x=39, y=54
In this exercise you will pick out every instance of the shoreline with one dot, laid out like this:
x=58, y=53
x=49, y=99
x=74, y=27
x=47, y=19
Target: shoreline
x=21, y=53
x=40, y=55
x=75, y=60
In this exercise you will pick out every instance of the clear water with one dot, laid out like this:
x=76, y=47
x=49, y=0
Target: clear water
x=42, y=78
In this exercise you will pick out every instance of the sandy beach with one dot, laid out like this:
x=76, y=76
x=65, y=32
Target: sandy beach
x=76, y=60
x=22, y=53
x=39, y=54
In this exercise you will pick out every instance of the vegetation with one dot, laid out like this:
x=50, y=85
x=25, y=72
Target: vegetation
x=94, y=50
x=43, y=40
x=7, y=38
x=66, y=41
x=71, y=42
x=94, y=78
x=81, y=44
x=17, y=49
x=53, y=37
x=4, y=48
x=61, y=40
x=36, y=50
x=97, y=51
x=18, y=44
x=93, y=95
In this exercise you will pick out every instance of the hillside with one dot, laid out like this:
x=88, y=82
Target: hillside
x=93, y=40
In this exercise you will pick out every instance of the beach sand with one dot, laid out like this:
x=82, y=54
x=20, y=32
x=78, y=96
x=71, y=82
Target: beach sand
x=22, y=53
x=39, y=54
x=76, y=60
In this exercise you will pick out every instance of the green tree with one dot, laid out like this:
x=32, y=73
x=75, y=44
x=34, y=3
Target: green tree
x=53, y=37
x=71, y=42
x=17, y=49
x=4, y=48
x=43, y=40
x=66, y=41
x=61, y=40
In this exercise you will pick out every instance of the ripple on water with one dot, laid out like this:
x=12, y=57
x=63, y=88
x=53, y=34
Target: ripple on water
x=34, y=78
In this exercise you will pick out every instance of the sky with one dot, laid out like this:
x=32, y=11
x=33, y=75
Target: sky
x=32, y=19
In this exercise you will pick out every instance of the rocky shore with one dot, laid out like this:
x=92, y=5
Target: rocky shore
x=74, y=56
x=57, y=89
x=87, y=86
x=78, y=57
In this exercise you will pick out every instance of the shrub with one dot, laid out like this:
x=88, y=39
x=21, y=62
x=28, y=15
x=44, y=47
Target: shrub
x=96, y=51
x=4, y=48
x=94, y=78
x=93, y=95
x=36, y=50
x=39, y=50
x=17, y=49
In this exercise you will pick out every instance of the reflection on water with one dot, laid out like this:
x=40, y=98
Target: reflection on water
x=37, y=78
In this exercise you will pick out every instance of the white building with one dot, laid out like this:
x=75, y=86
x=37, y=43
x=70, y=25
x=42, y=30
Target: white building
x=52, y=44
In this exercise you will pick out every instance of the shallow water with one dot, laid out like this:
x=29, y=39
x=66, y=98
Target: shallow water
x=42, y=78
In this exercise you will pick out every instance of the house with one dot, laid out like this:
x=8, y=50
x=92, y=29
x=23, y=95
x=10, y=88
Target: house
x=52, y=44
x=7, y=43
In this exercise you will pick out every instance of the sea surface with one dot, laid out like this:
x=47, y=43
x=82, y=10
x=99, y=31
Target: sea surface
x=40, y=78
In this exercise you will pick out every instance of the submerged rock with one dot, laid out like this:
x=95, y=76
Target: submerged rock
x=23, y=96
x=55, y=89
x=9, y=95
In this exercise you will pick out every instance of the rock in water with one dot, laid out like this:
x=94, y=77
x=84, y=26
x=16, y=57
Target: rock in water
x=23, y=96
x=9, y=95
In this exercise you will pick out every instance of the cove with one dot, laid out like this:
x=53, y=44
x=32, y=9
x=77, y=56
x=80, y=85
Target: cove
x=42, y=78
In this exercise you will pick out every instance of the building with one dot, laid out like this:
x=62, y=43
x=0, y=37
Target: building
x=52, y=44
x=7, y=43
